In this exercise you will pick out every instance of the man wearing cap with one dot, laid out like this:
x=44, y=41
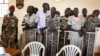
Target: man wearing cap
x=10, y=29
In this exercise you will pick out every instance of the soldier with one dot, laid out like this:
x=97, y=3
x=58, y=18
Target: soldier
x=63, y=27
x=90, y=25
x=30, y=23
x=64, y=19
x=10, y=29
x=52, y=24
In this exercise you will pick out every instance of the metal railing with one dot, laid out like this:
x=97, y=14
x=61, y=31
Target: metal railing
x=58, y=36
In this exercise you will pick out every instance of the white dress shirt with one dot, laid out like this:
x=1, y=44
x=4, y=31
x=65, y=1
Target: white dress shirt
x=42, y=19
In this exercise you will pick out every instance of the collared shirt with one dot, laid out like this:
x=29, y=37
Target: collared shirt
x=92, y=23
x=42, y=19
x=30, y=20
x=83, y=18
x=76, y=23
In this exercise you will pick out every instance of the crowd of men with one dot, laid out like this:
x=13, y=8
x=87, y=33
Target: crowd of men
x=52, y=22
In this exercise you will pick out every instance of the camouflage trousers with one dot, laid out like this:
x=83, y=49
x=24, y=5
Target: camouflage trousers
x=30, y=35
x=88, y=45
x=51, y=48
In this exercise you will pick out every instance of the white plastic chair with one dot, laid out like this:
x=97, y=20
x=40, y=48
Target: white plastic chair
x=2, y=51
x=35, y=48
x=79, y=39
x=70, y=50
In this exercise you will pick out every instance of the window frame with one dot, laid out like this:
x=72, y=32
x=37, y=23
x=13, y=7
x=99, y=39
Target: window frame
x=4, y=4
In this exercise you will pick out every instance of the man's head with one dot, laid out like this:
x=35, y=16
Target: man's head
x=84, y=11
x=58, y=13
x=53, y=10
x=46, y=6
x=12, y=9
x=30, y=9
x=75, y=12
x=35, y=10
x=96, y=13
x=71, y=13
x=67, y=12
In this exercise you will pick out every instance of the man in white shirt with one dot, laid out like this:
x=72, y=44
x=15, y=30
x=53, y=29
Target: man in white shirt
x=41, y=20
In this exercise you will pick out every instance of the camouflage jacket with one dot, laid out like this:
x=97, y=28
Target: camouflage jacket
x=52, y=22
x=9, y=28
x=63, y=22
x=92, y=23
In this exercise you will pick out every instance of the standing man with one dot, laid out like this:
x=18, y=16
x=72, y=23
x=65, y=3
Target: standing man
x=52, y=24
x=10, y=29
x=42, y=21
x=30, y=22
x=35, y=10
x=84, y=15
x=90, y=25
x=75, y=24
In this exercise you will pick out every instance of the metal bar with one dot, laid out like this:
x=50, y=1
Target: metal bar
x=64, y=37
x=46, y=37
x=35, y=33
x=89, y=39
x=52, y=42
x=58, y=40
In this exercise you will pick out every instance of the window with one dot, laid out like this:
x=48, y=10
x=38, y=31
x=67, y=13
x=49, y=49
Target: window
x=3, y=7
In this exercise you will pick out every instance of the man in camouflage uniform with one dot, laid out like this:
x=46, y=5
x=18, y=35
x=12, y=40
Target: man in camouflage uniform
x=63, y=22
x=10, y=29
x=90, y=25
x=64, y=19
x=63, y=27
x=30, y=22
x=52, y=23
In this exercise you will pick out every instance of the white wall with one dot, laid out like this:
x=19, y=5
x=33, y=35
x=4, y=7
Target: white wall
x=89, y=4
x=97, y=42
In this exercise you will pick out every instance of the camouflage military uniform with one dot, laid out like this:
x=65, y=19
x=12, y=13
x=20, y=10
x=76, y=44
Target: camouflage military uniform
x=90, y=26
x=9, y=31
x=52, y=36
x=63, y=22
x=30, y=32
x=63, y=27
